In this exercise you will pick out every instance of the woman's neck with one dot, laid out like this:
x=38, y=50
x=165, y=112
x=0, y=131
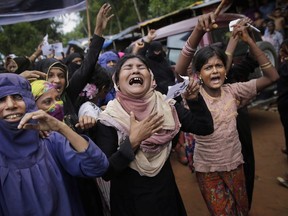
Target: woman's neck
x=212, y=92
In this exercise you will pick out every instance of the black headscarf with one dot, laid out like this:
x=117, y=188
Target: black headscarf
x=156, y=46
x=23, y=63
x=45, y=66
x=72, y=67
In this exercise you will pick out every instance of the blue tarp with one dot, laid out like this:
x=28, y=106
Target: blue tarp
x=15, y=11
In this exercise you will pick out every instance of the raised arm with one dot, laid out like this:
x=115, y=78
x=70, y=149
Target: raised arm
x=37, y=53
x=204, y=24
x=102, y=19
x=141, y=46
x=232, y=44
x=270, y=74
x=83, y=74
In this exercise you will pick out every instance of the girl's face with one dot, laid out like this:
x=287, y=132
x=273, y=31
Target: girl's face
x=12, y=66
x=57, y=77
x=47, y=99
x=213, y=74
x=12, y=108
x=134, y=78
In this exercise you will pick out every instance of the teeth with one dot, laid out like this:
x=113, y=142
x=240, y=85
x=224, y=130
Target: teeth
x=13, y=116
x=215, y=77
x=135, y=80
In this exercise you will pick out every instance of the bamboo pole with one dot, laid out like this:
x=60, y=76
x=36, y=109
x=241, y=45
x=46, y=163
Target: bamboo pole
x=137, y=10
x=218, y=10
x=88, y=20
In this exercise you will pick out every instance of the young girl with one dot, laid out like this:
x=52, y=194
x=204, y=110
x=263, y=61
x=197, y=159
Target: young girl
x=218, y=160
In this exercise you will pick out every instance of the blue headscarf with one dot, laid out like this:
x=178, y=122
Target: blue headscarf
x=107, y=56
x=17, y=143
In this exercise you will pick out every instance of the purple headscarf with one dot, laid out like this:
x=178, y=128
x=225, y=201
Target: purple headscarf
x=106, y=57
x=17, y=143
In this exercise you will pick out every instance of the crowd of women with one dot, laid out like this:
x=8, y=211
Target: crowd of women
x=93, y=135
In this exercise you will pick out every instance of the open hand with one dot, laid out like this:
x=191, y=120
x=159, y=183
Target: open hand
x=141, y=130
x=32, y=75
x=103, y=18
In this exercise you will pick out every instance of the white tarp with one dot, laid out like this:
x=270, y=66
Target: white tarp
x=15, y=11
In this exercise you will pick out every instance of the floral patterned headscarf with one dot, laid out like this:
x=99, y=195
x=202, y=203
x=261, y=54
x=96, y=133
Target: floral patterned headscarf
x=39, y=87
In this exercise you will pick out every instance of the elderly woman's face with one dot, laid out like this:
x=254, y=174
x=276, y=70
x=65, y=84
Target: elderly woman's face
x=134, y=78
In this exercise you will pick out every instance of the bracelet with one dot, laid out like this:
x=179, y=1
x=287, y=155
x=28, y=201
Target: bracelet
x=267, y=63
x=189, y=46
x=268, y=66
x=187, y=50
x=228, y=53
x=35, y=56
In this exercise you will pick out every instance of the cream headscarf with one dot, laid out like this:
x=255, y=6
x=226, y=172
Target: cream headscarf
x=155, y=150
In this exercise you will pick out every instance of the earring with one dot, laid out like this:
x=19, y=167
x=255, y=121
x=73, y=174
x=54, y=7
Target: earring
x=200, y=80
x=226, y=76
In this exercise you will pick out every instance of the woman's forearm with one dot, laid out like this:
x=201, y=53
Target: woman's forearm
x=77, y=141
x=187, y=53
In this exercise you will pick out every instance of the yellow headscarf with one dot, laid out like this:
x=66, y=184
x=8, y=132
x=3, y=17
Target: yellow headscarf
x=39, y=87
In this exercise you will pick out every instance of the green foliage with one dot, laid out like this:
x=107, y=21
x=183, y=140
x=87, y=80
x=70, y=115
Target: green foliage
x=24, y=38
x=125, y=13
x=161, y=7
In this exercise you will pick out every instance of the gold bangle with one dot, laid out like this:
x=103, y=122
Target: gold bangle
x=228, y=53
x=35, y=56
x=263, y=65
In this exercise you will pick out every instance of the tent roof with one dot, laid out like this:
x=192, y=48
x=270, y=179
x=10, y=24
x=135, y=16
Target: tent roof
x=15, y=11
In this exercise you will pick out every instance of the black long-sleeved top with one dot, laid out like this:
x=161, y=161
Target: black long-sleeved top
x=282, y=83
x=132, y=194
x=81, y=76
x=197, y=120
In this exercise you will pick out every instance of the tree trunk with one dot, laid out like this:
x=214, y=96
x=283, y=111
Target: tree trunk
x=137, y=11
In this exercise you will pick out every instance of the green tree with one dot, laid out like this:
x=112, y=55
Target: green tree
x=23, y=38
x=161, y=7
x=125, y=12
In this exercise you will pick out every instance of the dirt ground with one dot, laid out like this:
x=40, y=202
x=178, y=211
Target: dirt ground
x=269, y=197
